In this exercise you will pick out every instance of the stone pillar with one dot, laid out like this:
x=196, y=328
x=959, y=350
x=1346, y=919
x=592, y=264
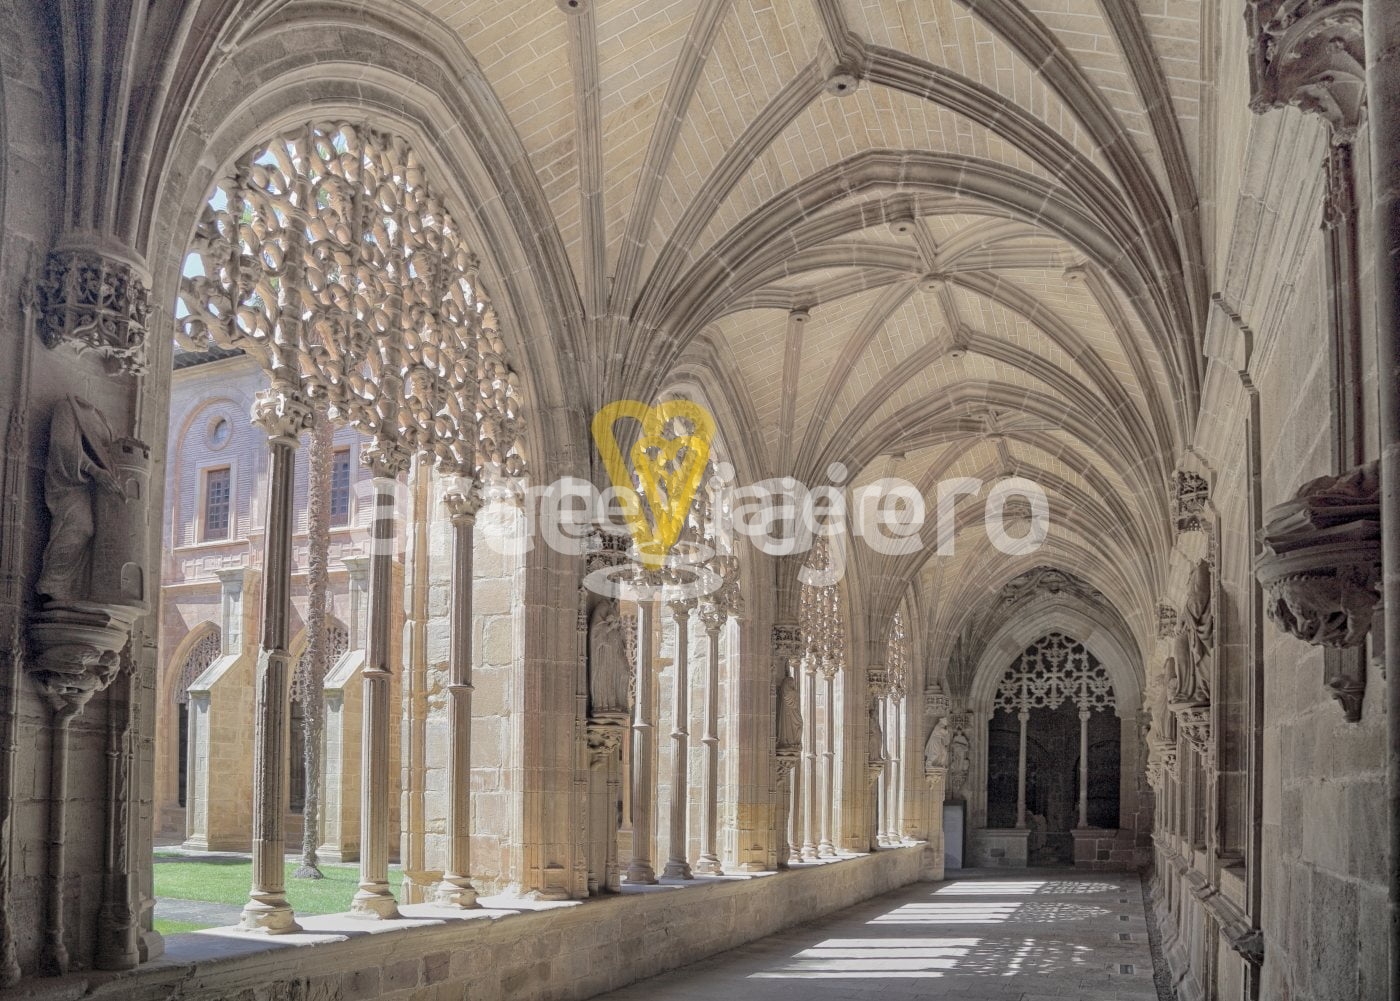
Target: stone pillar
x=283, y=413
x=677, y=866
x=456, y=890
x=1382, y=40
x=644, y=751
x=1084, y=767
x=826, y=847
x=231, y=610
x=787, y=768
x=387, y=461
x=1024, y=716
x=357, y=567
x=932, y=866
x=810, y=833
x=708, y=863
x=876, y=683
x=894, y=773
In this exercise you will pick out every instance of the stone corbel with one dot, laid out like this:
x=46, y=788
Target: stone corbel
x=1309, y=54
x=1194, y=724
x=99, y=301
x=1321, y=567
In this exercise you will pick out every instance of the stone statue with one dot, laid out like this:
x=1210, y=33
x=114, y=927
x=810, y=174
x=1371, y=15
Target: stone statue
x=936, y=749
x=608, y=668
x=875, y=748
x=79, y=461
x=959, y=760
x=1159, y=692
x=1195, y=638
x=789, y=714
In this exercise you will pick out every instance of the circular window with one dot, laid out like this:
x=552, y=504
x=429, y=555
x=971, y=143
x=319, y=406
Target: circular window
x=219, y=432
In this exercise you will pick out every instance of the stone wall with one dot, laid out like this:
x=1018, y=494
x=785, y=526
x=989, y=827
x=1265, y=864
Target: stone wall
x=559, y=952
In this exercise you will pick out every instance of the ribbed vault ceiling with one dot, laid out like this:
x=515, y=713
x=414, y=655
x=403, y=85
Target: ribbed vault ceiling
x=993, y=236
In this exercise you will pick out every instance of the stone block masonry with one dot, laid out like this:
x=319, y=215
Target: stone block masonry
x=527, y=952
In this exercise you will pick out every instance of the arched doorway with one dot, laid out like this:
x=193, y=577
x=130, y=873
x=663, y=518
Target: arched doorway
x=1053, y=749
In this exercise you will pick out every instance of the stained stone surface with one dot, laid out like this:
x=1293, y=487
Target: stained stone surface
x=1031, y=935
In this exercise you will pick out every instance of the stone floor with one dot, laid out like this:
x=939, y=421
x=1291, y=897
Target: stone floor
x=1027, y=935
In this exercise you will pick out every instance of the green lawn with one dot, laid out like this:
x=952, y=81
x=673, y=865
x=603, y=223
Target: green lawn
x=165, y=927
x=226, y=881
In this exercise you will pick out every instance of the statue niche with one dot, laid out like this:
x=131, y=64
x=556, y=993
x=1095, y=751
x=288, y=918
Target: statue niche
x=93, y=578
x=608, y=668
x=875, y=745
x=1321, y=559
x=789, y=714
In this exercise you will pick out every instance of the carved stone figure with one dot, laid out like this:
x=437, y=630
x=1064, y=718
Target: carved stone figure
x=1195, y=638
x=875, y=749
x=608, y=667
x=959, y=763
x=1159, y=692
x=936, y=748
x=789, y=714
x=1321, y=562
x=79, y=463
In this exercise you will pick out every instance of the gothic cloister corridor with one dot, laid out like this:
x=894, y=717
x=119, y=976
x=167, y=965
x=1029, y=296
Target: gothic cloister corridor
x=1023, y=935
x=508, y=500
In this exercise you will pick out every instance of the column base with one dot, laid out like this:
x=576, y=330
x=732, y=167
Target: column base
x=456, y=892
x=826, y=849
x=640, y=872
x=677, y=869
x=753, y=867
x=269, y=914
x=809, y=852
x=375, y=902
x=708, y=865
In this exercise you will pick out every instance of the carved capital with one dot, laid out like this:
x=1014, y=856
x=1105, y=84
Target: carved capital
x=95, y=302
x=1194, y=723
x=1309, y=54
x=787, y=641
x=386, y=459
x=283, y=412
x=1321, y=559
x=712, y=617
x=463, y=501
x=877, y=681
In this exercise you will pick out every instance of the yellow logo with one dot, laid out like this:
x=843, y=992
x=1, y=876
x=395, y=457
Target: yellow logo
x=669, y=469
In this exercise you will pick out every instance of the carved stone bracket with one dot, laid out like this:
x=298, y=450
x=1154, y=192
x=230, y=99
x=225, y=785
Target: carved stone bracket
x=93, y=301
x=1321, y=559
x=604, y=739
x=1194, y=724
x=1309, y=54
x=1166, y=621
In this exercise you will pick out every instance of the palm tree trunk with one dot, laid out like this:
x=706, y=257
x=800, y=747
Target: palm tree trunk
x=313, y=666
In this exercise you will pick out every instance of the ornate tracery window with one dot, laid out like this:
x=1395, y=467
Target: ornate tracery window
x=326, y=255
x=197, y=661
x=1053, y=669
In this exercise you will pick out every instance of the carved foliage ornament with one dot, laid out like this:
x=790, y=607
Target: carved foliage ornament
x=1309, y=54
x=95, y=303
x=327, y=256
x=1321, y=559
x=1190, y=493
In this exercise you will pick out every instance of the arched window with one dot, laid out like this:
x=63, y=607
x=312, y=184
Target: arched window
x=197, y=661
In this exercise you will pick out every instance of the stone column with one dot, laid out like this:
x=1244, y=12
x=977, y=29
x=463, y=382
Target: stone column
x=827, y=847
x=644, y=751
x=231, y=609
x=456, y=890
x=283, y=413
x=1024, y=716
x=357, y=567
x=787, y=768
x=1382, y=40
x=810, y=834
x=894, y=773
x=708, y=863
x=677, y=866
x=1084, y=767
x=387, y=461
x=932, y=868
x=875, y=753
